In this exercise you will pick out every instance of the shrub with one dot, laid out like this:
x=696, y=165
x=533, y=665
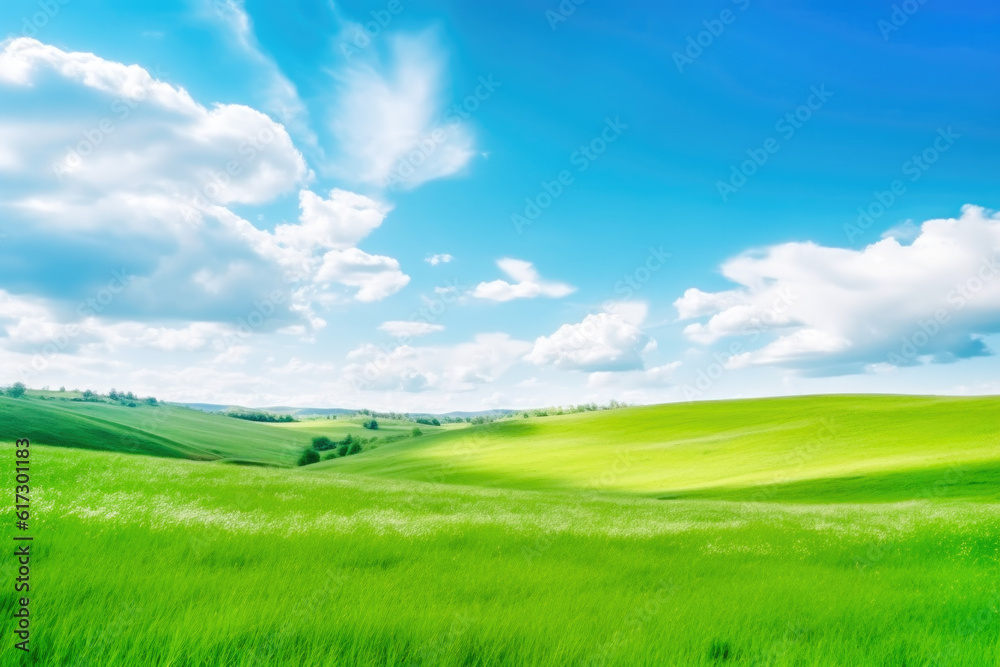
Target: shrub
x=331, y=455
x=416, y=432
x=321, y=443
x=429, y=421
x=150, y=401
x=15, y=390
x=342, y=450
x=308, y=457
x=355, y=447
x=371, y=424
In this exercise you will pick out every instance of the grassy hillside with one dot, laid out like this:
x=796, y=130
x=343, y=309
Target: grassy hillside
x=142, y=561
x=816, y=448
x=169, y=431
x=339, y=428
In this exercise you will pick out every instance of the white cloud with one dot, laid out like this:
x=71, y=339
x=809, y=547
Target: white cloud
x=339, y=222
x=391, y=124
x=904, y=232
x=434, y=260
x=456, y=368
x=32, y=323
x=658, y=376
x=147, y=136
x=375, y=276
x=605, y=341
x=147, y=174
x=298, y=367
x=402, y=329
x=835, y=310
x=529, y=284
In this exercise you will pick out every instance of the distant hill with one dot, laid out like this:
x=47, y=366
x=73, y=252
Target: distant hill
x=809, y=449
x=65, y=419
x=323, y=412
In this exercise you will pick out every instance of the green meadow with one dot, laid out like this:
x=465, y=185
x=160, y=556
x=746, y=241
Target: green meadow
x=836, y=530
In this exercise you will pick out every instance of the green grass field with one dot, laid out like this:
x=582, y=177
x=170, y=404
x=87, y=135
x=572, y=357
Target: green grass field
x=846, y=530
x=171, y=431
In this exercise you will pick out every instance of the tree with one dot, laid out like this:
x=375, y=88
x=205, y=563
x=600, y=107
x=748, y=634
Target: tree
x=309, y=456
x=150, y=401
x=321, y=443
x=371, y=424
x=16, y=390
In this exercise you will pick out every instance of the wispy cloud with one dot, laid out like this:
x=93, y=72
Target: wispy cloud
x=528, y=285
x=434, y=260
x=389, y=117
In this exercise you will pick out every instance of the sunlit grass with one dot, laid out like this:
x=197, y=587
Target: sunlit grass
x=145, y=561
x=755, y=446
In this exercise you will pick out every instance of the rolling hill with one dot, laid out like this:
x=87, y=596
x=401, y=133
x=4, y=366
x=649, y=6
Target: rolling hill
x=170, y=430
x=812, y=448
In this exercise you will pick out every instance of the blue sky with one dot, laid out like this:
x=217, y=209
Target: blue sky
x=435, y=206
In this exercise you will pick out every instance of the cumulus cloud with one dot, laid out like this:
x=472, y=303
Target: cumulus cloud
x=35, y=328
x=456, y=368
x=528, y=285
x=139, y=175
x=605, y=341
x=403, y=329
x=833, y=310
x=391, y=124
x=657, y=376
x=142, y=134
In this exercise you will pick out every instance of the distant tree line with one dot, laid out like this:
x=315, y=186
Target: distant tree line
x=583, y=407
x=125, y=398
x=259, y=416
